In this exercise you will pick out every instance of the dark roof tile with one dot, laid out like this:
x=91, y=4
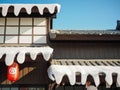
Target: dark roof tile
x=85, y=35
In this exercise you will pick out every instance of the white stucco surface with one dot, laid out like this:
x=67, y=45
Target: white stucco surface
x=56, y=73
x=28, y=8
x=11, y=52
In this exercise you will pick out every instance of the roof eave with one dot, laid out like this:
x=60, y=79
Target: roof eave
x=28, y=9
x=72, y=36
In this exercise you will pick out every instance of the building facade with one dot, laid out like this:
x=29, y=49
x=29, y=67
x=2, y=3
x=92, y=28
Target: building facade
x=23, y=39
x=55, y=59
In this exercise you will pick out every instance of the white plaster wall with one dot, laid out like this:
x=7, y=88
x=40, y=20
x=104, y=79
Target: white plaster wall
x=1, y=30
x=25, y=39
x=26, y=21
x=26, y=30
x=1, y=39
x=11, y=39
x=11, y=30
x=39, y=39
x=39, y=30
x=39, y=21
x=12, y=21
x=2, y=21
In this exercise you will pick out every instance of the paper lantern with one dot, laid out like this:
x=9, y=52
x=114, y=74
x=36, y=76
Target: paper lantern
x=13, y=72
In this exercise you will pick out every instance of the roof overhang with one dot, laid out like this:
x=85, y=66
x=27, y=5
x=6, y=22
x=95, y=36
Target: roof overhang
x=12, y=52
x=84, y=35
x=83, y=68
x=16, y=9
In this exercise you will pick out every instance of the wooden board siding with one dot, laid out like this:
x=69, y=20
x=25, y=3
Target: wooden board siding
x=86, y=50
x=23, y=88
x=79, y=87
x=31, y=72
x=86, y=62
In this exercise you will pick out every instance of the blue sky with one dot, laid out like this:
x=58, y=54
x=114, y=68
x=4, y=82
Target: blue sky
x=82, y=14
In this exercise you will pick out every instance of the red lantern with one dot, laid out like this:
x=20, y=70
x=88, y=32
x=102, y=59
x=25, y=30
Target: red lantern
x=13, y=72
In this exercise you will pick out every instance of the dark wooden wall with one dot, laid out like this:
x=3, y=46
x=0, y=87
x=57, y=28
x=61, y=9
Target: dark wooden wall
x=86, y=50
x=79, y=87
x=31, y=72
x=35, y=72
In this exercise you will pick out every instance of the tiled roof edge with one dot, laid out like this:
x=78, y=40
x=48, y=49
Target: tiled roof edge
x=86, y=32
